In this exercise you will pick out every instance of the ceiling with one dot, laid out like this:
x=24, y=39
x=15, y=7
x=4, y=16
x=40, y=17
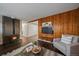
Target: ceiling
x=31, y=11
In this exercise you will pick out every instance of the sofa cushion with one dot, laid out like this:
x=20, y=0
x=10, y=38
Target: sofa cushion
x=75, y=39
x=60, y=46
x=67, y=39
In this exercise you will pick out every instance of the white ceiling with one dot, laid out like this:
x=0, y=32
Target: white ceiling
x=31, y=11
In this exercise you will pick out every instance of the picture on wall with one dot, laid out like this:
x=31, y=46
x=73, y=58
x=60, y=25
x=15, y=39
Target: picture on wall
x=47, y=28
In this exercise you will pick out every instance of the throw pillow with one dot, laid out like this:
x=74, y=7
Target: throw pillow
x=67, y=40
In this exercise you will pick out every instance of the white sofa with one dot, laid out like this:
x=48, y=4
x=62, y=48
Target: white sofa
x=67, y=44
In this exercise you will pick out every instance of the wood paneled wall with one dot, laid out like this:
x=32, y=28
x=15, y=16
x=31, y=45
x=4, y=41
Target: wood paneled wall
x=63, y=23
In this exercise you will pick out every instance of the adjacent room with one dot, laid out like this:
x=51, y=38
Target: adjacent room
x=39, y=29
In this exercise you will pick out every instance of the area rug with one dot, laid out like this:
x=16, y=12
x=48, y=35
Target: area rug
x=44, y=52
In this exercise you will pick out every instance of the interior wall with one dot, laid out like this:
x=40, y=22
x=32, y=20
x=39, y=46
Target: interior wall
x=20, y=28
x=63, y=23
x=32, y=28
x=1, y=30
x=29, y=29
x=24, y=29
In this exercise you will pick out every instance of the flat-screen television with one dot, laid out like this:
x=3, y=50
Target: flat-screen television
x=47, y=28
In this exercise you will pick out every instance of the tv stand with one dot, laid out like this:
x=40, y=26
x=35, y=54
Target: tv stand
x=45, y=43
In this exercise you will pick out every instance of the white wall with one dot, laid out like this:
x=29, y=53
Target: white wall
x=24, y=29
x=29, y=29
x=1, y=30
x=33, y=28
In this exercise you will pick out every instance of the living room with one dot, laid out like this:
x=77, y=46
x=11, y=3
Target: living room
x=38, y=29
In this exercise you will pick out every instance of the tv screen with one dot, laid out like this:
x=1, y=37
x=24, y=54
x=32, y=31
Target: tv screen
x=47, y=30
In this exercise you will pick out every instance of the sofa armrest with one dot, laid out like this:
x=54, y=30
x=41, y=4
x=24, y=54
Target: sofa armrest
x=72, y=49
x=74, y=44
x=71, y=46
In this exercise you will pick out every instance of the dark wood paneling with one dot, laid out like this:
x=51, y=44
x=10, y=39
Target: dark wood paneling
x=63, y=23
x=7, y=29
x=10, y=27
x=17, y=27
x=7, y=26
